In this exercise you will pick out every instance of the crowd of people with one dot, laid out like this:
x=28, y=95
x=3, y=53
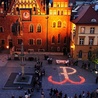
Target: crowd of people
x=55, y=93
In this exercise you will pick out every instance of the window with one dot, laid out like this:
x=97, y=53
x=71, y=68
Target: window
x=19, y=41
x=58, y=12
x=1, y=29
x=39, y=28
x=53, y=39
x=58, y=5
x=59, y=23
x=65, y=40
x=38, y=41
x=31, y=42
x=81, y=42
x=82, y=30
x=31, y=28
x=93, y=20
x=89, y=54
x=61, y=12
x=80, y=54
x=92, y=30
x=2, y=42
x=58, y=38
x=54, y=24
x=91, y=41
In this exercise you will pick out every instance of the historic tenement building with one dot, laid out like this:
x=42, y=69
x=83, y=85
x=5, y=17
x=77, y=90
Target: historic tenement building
x=85, y=31
x=39, y=24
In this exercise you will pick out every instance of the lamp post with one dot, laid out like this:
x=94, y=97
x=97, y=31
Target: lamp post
x=22, y=59
x=72, y=48
x=8, y=51
x=47, y=34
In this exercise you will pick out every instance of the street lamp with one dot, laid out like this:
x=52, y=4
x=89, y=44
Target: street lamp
x=8, y=51
x=72, y=48
x=22, y=59
x=47, y=34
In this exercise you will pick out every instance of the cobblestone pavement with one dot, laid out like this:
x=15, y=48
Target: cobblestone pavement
x=9, y=66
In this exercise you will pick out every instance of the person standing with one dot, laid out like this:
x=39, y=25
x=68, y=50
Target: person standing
x=75, y=96
x=65, y=96
x=42, y=94
x=83, y=94
x=80, y=96
x=96, y=79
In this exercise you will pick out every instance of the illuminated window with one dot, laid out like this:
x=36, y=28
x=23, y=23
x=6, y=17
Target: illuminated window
x=19, y=41
x=54, y=12
x=31, y=42
x=65, y=12
x=59, y=24
x=66, y=4
x=91, y=41
x=82, y=30
x=54, y=24
x=31, y=28
x=59, y=38
x=53, y=39
x=39, y=42
x=19, y=1
x=81, y=42
x=69, y=12
x=50, y=12
x=39, y=28
x=54, y=4
x=1, y=29
x=92, y=30
x=62, y=4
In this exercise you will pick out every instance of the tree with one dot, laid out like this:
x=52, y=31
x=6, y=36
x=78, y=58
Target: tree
x=94, y=57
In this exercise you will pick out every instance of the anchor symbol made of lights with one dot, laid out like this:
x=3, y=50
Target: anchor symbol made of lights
x=65, y=73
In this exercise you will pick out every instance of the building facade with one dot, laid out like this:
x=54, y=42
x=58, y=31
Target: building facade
x=85, y=31
x=40, y=25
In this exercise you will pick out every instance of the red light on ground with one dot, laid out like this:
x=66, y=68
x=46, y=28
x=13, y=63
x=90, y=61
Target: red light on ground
x=66, y=80
x=82, y=79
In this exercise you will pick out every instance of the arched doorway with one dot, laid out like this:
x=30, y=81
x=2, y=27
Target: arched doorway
x=9, y=42
x=80, y=54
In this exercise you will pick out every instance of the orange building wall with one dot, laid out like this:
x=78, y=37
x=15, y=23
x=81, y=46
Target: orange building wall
x=7, y=21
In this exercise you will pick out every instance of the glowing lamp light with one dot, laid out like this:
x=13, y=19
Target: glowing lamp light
x=72, y=46
x=67, y=79
x=96, y=72
x=7, y=47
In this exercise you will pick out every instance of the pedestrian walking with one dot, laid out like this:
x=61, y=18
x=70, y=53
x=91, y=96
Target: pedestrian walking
x=80, y=96
x=13, y=96
x=88, y=94
x=75, y=96
x=65, y=96
x=83, y=94
x=96, y=79
x=60, y=94
x=42, y=94
x=26, y=95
